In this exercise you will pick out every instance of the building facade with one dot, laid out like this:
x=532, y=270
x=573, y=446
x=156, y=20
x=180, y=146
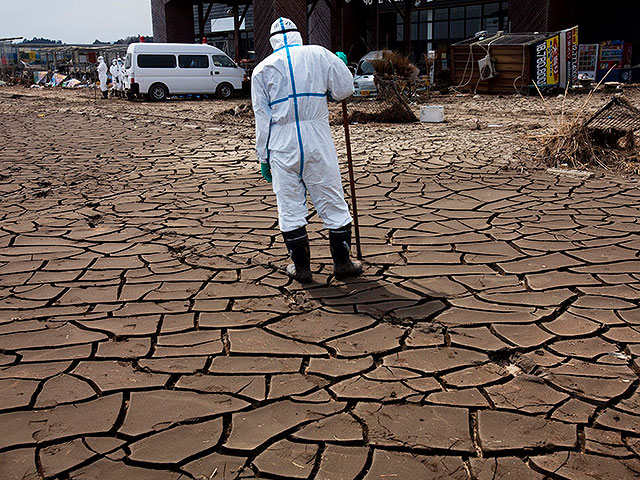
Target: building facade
x=415, y=27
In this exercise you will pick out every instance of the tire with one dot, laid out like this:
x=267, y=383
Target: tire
x=158, y=92
x=224, y=90
x=131, y=96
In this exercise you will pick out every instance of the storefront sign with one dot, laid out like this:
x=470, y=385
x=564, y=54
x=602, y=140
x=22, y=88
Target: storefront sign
x=546, y=62
x=569, y=56
x=615, y=54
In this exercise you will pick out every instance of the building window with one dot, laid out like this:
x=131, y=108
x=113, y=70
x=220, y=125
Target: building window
x=440, y=30
x=455, y=23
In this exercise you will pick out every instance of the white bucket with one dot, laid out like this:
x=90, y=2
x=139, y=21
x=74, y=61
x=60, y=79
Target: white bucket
x=432, y=114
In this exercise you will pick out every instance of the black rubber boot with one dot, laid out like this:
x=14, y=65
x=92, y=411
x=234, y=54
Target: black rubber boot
x=340, y=245
x=104, y=95
x=297, y=243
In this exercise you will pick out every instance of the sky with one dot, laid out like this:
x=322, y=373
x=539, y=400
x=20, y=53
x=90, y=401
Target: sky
x=75, y=21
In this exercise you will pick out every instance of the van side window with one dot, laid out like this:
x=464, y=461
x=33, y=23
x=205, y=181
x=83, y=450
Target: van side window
x=223, y=61
x=193, y=61
x=156, y=61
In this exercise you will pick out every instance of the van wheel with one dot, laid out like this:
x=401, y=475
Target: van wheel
x=158, y=92
x=224, y=90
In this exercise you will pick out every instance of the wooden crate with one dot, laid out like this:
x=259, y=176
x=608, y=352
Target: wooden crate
x=511, y=54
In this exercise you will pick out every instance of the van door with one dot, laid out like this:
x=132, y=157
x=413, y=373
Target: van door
x=129, y=72
x=195, y=73
x=225, y=70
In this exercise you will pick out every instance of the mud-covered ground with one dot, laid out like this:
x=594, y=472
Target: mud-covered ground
x=147, y=329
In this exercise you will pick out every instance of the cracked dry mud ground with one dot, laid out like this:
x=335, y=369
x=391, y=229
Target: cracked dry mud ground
x=147, y=330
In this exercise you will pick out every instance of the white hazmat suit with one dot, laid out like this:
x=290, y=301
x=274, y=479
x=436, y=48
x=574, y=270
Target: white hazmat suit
x=115, y=76
x=121, y=75
x=102, y=74
x=289, y=92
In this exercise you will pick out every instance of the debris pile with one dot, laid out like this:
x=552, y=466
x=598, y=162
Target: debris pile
x=388, y=106
x=605, y=140
x=395, y=64
x=244, y=110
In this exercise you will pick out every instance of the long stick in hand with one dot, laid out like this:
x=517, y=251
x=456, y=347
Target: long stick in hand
x=352, y=181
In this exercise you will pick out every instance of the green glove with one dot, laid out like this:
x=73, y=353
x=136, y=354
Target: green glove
x=265, y=169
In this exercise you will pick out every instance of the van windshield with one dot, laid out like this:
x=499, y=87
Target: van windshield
x=365, y=68
x=127, y=62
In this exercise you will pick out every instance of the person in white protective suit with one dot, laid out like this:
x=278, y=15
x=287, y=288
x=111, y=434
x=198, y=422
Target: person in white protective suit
x=121, y=76
x=102, y=76
x=289, y=91
x=115, y=78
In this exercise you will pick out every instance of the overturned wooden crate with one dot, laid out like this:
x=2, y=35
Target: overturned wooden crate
x=511, y=55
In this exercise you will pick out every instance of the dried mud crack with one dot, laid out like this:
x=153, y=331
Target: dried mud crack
x=147, y=329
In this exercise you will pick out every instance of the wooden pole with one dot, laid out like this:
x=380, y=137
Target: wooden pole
x=352, y=181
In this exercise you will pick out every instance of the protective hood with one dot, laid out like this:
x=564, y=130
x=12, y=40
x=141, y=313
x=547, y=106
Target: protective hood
x=284, y=32
x=100, y=59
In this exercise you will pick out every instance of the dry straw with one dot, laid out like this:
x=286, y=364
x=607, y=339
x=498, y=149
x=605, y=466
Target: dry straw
x=573, y=144
x=396, y=64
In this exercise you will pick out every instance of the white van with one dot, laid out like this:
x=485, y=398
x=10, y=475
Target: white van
x=162, y=69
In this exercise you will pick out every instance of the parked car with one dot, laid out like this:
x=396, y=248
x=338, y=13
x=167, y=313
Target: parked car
x=158, y=70
x=363, y=83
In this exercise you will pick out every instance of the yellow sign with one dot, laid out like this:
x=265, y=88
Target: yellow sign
x=553, y=60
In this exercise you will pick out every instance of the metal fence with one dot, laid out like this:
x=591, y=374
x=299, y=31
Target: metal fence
x=616, y=121
x=389, y=104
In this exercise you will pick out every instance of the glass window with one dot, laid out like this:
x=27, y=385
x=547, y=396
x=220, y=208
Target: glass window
x=474, y=25
x=474, y=11
x=156, y=61
x=440, y=30
x=491, y=9
x=223, y=61
x=456, y=13
x=423, y=32
x=127, y=62
x=414, y=31
x=491, y=25
x=400, y=33
x=442, y=14
x=414, y=16
x=456, y=29
x=193, y=61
